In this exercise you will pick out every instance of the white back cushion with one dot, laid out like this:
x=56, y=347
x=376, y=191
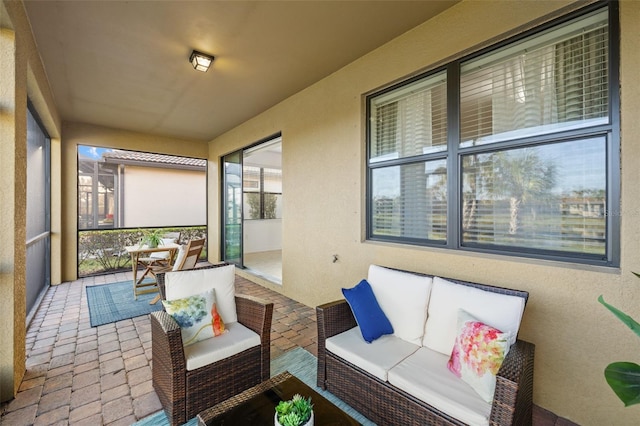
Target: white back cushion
x=181, y=284
x=501, y=311
x=182, y=251
x=404, y=298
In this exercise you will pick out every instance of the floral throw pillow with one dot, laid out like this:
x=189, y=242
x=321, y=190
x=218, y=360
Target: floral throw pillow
x=478, y=353
x=197, y=316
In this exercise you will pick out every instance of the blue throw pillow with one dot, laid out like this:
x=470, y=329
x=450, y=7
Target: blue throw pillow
x=369, y=316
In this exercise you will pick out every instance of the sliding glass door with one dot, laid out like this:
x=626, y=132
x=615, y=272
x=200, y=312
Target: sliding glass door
x=251, y=200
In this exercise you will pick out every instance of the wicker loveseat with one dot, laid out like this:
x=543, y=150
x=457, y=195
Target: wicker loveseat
x=184, y=392
x=360, y=385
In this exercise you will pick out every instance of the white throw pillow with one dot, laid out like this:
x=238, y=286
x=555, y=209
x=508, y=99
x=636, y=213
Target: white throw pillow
x=181, y=284
x=404, y=298
x=501, y=311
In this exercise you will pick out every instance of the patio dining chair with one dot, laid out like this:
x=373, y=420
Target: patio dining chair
x=187, y=258
x=159, y=258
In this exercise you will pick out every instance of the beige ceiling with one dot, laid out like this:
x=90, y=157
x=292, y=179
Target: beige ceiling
x=124, y=64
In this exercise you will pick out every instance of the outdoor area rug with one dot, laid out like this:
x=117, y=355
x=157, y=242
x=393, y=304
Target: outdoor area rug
x=298, y=362
x=114, y=302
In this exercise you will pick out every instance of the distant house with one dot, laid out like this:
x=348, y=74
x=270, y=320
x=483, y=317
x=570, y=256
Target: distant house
x=127, y=189
x=583, y=206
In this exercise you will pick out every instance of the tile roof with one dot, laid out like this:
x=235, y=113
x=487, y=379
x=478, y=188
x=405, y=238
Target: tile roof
x=145, y=157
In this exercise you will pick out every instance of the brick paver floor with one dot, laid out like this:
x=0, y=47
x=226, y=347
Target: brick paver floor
x=78, y=374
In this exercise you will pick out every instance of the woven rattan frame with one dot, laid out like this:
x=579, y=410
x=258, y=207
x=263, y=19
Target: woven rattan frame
x=386, y=404
x=183, y=394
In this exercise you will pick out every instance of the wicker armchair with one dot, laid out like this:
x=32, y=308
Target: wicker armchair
x=182, y=393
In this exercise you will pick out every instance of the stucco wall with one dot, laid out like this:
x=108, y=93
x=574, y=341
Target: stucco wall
x=161, y=197
x=75, y=134
x=22, y=77
x=324, y=187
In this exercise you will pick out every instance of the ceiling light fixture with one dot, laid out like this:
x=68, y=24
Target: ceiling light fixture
x=200, y=61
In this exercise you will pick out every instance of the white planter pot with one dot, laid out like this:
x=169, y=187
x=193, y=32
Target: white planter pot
x=308, y=423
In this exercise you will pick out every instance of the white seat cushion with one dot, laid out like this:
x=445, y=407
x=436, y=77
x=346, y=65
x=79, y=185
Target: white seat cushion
x=238, y=338
x=425, y=375
x=163, y=254
x=181, y=284
x=404, y=298
x=501, y=311
x=377, y=357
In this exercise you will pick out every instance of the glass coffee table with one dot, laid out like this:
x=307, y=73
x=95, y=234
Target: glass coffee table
x=256, y=406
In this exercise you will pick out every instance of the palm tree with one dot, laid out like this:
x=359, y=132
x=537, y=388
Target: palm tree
x=521, y=175
x=474, y=179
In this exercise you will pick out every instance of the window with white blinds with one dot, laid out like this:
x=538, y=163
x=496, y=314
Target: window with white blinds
x=545, y=197
x=552, y=82
x=410, y=121
x=513, y=151
x=410, y=201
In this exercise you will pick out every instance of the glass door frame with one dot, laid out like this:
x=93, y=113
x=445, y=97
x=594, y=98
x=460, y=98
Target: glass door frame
x=232, y=216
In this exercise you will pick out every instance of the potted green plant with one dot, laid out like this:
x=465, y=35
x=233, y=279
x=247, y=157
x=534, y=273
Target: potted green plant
x=624, y=377
x=297, y=411
x=152, y=238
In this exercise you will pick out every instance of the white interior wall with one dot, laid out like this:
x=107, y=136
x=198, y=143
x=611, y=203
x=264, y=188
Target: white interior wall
x=262, y=235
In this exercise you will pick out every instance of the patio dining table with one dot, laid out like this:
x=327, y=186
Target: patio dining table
x=136, y=252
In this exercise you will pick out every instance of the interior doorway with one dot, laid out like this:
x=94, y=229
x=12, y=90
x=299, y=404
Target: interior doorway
x=252, y=200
